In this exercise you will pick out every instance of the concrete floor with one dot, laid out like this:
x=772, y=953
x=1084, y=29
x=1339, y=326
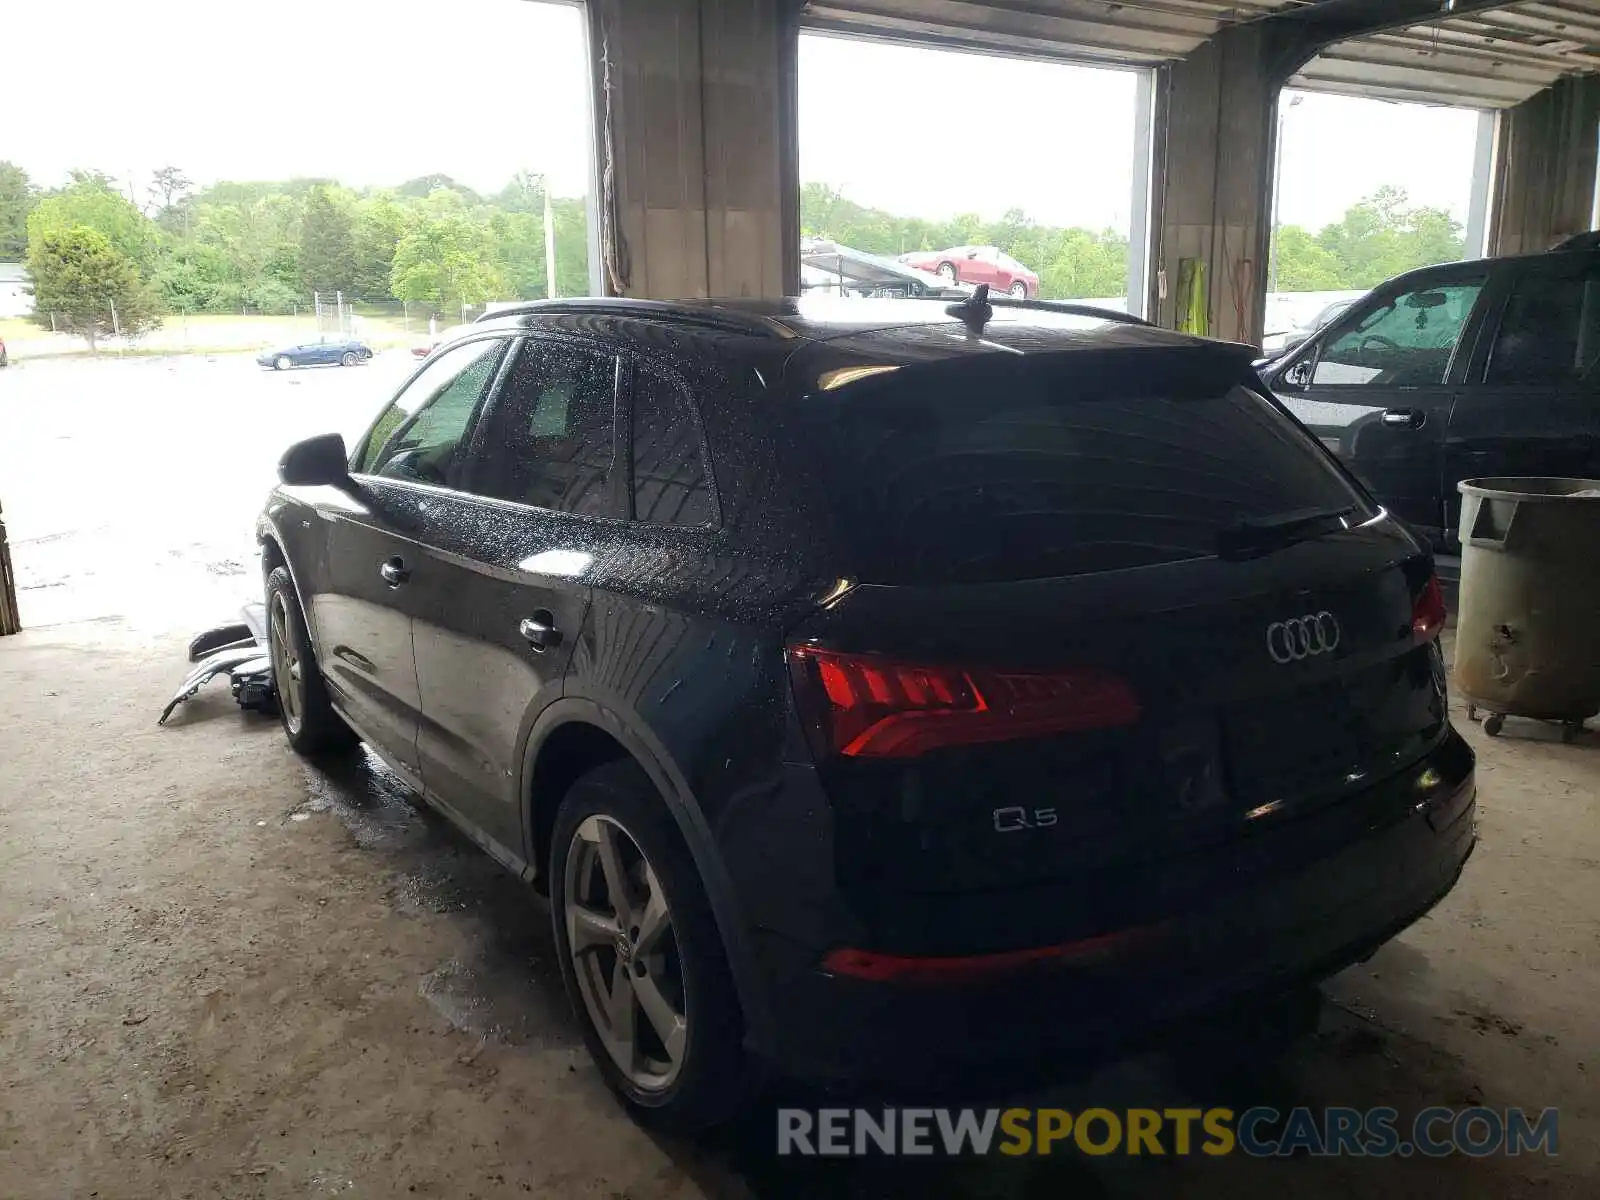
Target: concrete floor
x=224, y=973
x=227, y=973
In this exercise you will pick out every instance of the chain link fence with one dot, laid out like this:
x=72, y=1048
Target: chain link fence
x=382, y=325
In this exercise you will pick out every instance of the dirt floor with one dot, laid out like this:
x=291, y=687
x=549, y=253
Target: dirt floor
x=224, y=973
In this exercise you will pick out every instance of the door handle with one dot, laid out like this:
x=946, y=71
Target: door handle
x=394, y=571
x=1404, y=418
x=540, y=630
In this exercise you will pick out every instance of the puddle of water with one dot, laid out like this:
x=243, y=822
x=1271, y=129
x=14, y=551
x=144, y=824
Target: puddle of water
x=502, y=1001
x=512, y=990
x=455, y=993
x=368, y=799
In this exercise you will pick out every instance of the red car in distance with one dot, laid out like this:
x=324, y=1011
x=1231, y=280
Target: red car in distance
x=978, y=264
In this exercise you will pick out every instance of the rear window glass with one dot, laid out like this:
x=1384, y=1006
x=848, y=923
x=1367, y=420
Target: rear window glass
x=989, y=470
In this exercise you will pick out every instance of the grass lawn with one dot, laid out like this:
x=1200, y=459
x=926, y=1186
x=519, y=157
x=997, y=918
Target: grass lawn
x=14, y=329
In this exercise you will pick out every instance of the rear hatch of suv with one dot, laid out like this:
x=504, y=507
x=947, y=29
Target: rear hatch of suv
x=1115, y=617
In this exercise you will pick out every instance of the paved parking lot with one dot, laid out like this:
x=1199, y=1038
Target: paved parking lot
x=130, y=486
x=226, y=973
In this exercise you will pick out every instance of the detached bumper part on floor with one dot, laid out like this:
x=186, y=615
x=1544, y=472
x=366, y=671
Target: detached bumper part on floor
x=240, y=650
x=1080, y=1002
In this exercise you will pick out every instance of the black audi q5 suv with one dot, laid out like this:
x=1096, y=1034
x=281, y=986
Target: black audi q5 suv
x=879, y=690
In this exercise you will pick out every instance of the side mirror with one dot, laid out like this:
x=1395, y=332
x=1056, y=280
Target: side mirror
x=1296, y=377
x=972, y=254
x=318, y=460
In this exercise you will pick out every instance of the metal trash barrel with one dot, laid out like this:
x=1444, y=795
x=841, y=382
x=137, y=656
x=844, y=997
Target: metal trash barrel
x=1528, y=635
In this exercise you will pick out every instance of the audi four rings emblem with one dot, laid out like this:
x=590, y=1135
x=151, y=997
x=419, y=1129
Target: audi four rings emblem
x=1302, y=637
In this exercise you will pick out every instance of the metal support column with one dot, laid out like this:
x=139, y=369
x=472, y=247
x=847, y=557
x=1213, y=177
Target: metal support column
x=1139, y=208
x=1477, y=241
x=10, y=615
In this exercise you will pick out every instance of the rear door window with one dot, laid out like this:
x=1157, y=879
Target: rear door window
x=991, y=469
x=1550, y=332
x=548, y=438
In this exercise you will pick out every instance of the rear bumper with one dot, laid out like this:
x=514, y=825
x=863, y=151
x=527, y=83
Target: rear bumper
x=1052, y=1017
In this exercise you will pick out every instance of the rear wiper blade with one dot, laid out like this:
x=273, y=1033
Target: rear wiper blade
x=1262, y=535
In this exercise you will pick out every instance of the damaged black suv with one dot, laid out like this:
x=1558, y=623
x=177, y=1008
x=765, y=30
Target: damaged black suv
x=879, y=691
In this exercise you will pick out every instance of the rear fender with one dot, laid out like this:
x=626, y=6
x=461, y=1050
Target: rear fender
x=674, y=790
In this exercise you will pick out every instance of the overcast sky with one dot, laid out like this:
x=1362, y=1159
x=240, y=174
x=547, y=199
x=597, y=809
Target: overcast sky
x=376, y=92
x=365, y=91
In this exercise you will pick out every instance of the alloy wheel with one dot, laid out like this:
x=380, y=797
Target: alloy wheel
x=286, y=665
x=625, y=953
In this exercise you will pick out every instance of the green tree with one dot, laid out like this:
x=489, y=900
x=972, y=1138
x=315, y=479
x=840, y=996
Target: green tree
x=380, y=223
x=198, y=278
x=168, y=186
x=89, y=286
x=1382, y=236
x=517, y=224
x=259, y=239
x=446, y=259
x=1304, y=264
x=17, y=198
x=424, y=187
x=91, y=199
x=327, y=243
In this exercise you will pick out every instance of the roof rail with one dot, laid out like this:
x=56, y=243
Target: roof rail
x=683, y=312
x=1075, y=310
x=1579, y=241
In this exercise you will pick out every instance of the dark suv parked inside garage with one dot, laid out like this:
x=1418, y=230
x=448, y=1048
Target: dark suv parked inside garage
x=879, y=692
x=1455, y=372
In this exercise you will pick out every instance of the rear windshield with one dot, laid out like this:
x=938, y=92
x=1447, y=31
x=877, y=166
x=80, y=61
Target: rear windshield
x=996, y=469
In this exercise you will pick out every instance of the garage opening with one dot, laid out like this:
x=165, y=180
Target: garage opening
x=338, y=187
x=1364, y=190
x=1031, y=176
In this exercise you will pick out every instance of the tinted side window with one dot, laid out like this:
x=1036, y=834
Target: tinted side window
x=1406, y=341
x=423, y=433
x=1550, y=332
x=669, y=471
x=549, y=440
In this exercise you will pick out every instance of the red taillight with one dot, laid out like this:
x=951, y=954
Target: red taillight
x=1428, y=613
x=875, y=967
x=874, y=707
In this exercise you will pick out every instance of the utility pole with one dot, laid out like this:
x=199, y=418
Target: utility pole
x=1277, y=194
x=549, y=243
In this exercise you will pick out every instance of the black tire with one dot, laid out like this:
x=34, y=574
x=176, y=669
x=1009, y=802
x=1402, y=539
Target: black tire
x=948, y=272
x=715, y=1078
x=348, y=359
x=1019, y=290
x=309, y=721
x=282, y=363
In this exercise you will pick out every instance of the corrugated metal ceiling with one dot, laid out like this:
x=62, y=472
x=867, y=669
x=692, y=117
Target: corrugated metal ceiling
x=1129, y=32
x=1490, y=59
